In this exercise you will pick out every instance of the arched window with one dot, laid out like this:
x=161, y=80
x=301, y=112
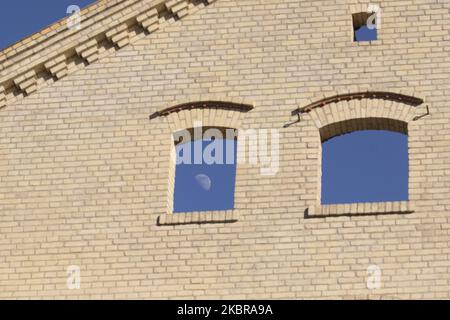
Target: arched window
x=363, y=152
x=202, y=169
x=365, y=166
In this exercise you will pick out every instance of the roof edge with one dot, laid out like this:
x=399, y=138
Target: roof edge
x=42, y=35
x=107, y=27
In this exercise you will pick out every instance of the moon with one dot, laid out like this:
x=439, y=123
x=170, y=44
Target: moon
x=204, y=181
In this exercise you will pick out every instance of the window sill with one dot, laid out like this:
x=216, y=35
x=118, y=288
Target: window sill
x=227, y=216
x=367, y=43
x=360, y=209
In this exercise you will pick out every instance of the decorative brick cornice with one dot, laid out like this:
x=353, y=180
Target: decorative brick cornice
x=50, y=54
x=27, y=82
x=58, y=66
x=119, y=36
x=88, y=51
x=2, y=97
x=178, y=7
x=149, y=20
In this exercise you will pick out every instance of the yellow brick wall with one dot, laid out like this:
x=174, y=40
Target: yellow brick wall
x=84, y=173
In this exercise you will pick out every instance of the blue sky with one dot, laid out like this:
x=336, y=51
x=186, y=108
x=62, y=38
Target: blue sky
x=30, y=16
x=365, y=166
x=204, y=187
x=22, y=18
x=365, y=34
x=362, y=166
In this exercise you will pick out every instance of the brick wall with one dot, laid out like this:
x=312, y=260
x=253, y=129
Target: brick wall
x=84, y=173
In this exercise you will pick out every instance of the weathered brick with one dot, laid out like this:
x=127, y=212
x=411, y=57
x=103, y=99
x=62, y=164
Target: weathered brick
x=85, y=174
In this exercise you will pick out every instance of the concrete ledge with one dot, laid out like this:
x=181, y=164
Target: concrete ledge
x=360, y=209
x=226, y=216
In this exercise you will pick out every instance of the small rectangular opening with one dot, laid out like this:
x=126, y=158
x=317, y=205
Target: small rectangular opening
x=364, y=27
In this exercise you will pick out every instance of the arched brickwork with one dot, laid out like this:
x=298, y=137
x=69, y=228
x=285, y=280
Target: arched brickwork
x=346, y=126
x=344, y=113
x=209, y=112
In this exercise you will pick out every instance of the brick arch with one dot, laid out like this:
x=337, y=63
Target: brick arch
x=209, y=112
x=344, y=113
x=347, y=126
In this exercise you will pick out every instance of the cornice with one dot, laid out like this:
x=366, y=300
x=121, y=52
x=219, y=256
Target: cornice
x=51, y=54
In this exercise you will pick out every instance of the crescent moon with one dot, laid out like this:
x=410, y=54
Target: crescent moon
x=204, y=181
